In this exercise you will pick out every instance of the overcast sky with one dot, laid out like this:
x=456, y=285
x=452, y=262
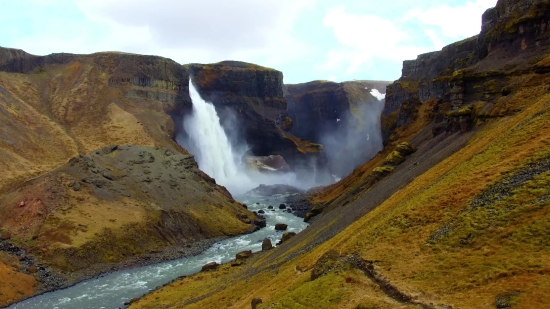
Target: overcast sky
x=305, y=39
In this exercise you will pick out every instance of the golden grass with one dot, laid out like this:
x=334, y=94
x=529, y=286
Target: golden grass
x=332, y=192
x=14, y=284
x=69, y=109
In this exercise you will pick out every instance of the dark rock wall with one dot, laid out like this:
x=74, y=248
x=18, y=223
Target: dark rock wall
x=314, y=107
x=248, y=99
x=344, y=117
x=471, y=71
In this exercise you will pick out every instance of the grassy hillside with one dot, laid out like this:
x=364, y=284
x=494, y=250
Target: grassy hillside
x=61, y=110
x=463, y=222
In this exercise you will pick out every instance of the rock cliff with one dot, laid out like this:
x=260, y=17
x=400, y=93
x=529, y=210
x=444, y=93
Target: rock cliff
x=85, y=98
x=57, y=106
x=249, y=99
x=477, y=73
x=341, y=116
x=314, y=107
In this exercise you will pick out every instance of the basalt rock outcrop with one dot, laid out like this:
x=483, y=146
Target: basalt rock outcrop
x=267, y=164
x=270, y=190
x=452, y=89
x=56, y=106
x=249, y=100
x=321, y=106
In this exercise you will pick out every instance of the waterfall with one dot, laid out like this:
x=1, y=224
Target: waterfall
x=209, y=143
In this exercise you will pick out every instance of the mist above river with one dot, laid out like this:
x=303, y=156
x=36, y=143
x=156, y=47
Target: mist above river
x=207, y=140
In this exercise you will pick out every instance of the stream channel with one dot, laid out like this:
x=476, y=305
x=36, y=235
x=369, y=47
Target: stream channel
x=113, y=289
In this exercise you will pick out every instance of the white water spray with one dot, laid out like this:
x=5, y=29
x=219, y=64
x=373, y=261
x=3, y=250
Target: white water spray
x=377, y=94
x=215, y=154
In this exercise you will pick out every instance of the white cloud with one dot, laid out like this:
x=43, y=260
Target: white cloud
x=454, y=22
x=365, y=39
x=430, y=33
x=184, y=30
x=202, y=31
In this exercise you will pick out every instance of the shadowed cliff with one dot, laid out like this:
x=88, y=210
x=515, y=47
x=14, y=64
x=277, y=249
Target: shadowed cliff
x=344, y=117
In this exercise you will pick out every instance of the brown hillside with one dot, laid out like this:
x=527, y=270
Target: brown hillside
x=69, y=106
x=116, y=206
x=58, y=110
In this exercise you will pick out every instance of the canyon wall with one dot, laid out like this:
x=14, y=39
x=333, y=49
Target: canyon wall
x=450, y=214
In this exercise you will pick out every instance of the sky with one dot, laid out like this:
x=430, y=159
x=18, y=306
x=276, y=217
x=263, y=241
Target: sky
x=305, y=39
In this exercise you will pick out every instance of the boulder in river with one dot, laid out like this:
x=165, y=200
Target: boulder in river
x=261, y=211
x=244, y=255
x=282, y=206
x=267, y=245
x=259, y=222
x=210, y=266
x=269, y=207
x=281, y=226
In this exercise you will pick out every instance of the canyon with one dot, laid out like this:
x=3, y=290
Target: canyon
x=453, y=219
x=446, y=206
x=94, y=177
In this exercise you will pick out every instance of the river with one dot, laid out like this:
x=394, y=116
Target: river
x=112, y=290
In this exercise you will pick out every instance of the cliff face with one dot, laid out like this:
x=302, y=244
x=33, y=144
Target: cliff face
x=149, y=94
x=453, y=219
x=314, y=107
x=54, y=107
x=480, y=71
x=341, y=116
x=249, y=100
